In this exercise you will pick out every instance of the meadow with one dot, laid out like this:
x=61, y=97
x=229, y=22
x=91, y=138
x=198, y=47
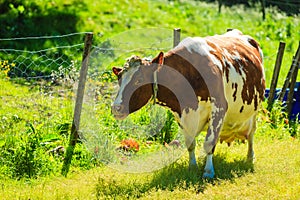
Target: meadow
x=35, y=117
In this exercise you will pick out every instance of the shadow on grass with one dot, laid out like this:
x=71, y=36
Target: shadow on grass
x=174, y=176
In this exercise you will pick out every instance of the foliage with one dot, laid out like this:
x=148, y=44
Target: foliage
x=28, y=138
x=25, y=157
x=169, y=130
x=21, y=19
x=277, y=119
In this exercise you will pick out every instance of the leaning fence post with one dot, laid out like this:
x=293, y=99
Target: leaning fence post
x=290, y=73
x=78, y=104
x=290, y=97
x=275, y=75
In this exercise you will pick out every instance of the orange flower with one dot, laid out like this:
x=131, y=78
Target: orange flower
x=130, y=144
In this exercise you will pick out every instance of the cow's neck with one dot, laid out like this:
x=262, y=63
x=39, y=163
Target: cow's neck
x=175, y=91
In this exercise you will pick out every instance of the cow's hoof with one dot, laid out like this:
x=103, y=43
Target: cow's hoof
x=209, y=174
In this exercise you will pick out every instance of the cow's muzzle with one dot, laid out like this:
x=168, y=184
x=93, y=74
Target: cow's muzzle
x=118, y=111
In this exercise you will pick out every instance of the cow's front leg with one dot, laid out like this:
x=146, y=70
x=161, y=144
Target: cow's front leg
x=191, y=144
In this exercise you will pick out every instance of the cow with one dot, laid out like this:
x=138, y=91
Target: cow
x=215, y=83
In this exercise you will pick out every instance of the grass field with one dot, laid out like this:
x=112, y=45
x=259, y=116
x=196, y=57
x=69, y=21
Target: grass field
x=274, y=175
x=36, y=117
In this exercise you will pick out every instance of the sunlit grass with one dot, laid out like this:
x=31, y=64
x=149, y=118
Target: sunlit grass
x=275, y=175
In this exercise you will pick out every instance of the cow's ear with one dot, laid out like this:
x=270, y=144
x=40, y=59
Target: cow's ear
x=116, y=70
x=159, y=59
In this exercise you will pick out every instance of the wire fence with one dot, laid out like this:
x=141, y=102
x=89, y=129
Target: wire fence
x=49, y=61
x=56, y=60
x=50, y=66
x=53, y=64
x=38, y=57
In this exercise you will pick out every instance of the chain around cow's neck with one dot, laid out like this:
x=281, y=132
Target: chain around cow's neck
x=155, y=87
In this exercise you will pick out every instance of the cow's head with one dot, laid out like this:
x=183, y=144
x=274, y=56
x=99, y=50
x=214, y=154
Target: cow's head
x=136, y=84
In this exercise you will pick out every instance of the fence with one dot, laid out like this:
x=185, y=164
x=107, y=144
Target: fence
x=50, y=67
x=58, y=62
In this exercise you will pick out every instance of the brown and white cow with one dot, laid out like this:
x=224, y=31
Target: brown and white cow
x=214, y=83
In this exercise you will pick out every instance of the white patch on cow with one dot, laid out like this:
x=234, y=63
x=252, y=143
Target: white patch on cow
x=208, y=141
x=215, y=61
x=234, y=76
x=196, y=45
x=215, y=111
x=126, y=78
x=236, y=56
x=194, y=121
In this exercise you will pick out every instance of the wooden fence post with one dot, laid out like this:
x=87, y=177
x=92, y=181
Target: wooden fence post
x=290, y=73
x=275, y=75
x=290, y=97
x=170, y=116
x=176, y=39
x=219, y=6
x=263, y=10
x=78, y=104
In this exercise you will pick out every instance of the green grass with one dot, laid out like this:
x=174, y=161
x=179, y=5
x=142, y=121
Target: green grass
x=36, y=117
x=274, y=175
